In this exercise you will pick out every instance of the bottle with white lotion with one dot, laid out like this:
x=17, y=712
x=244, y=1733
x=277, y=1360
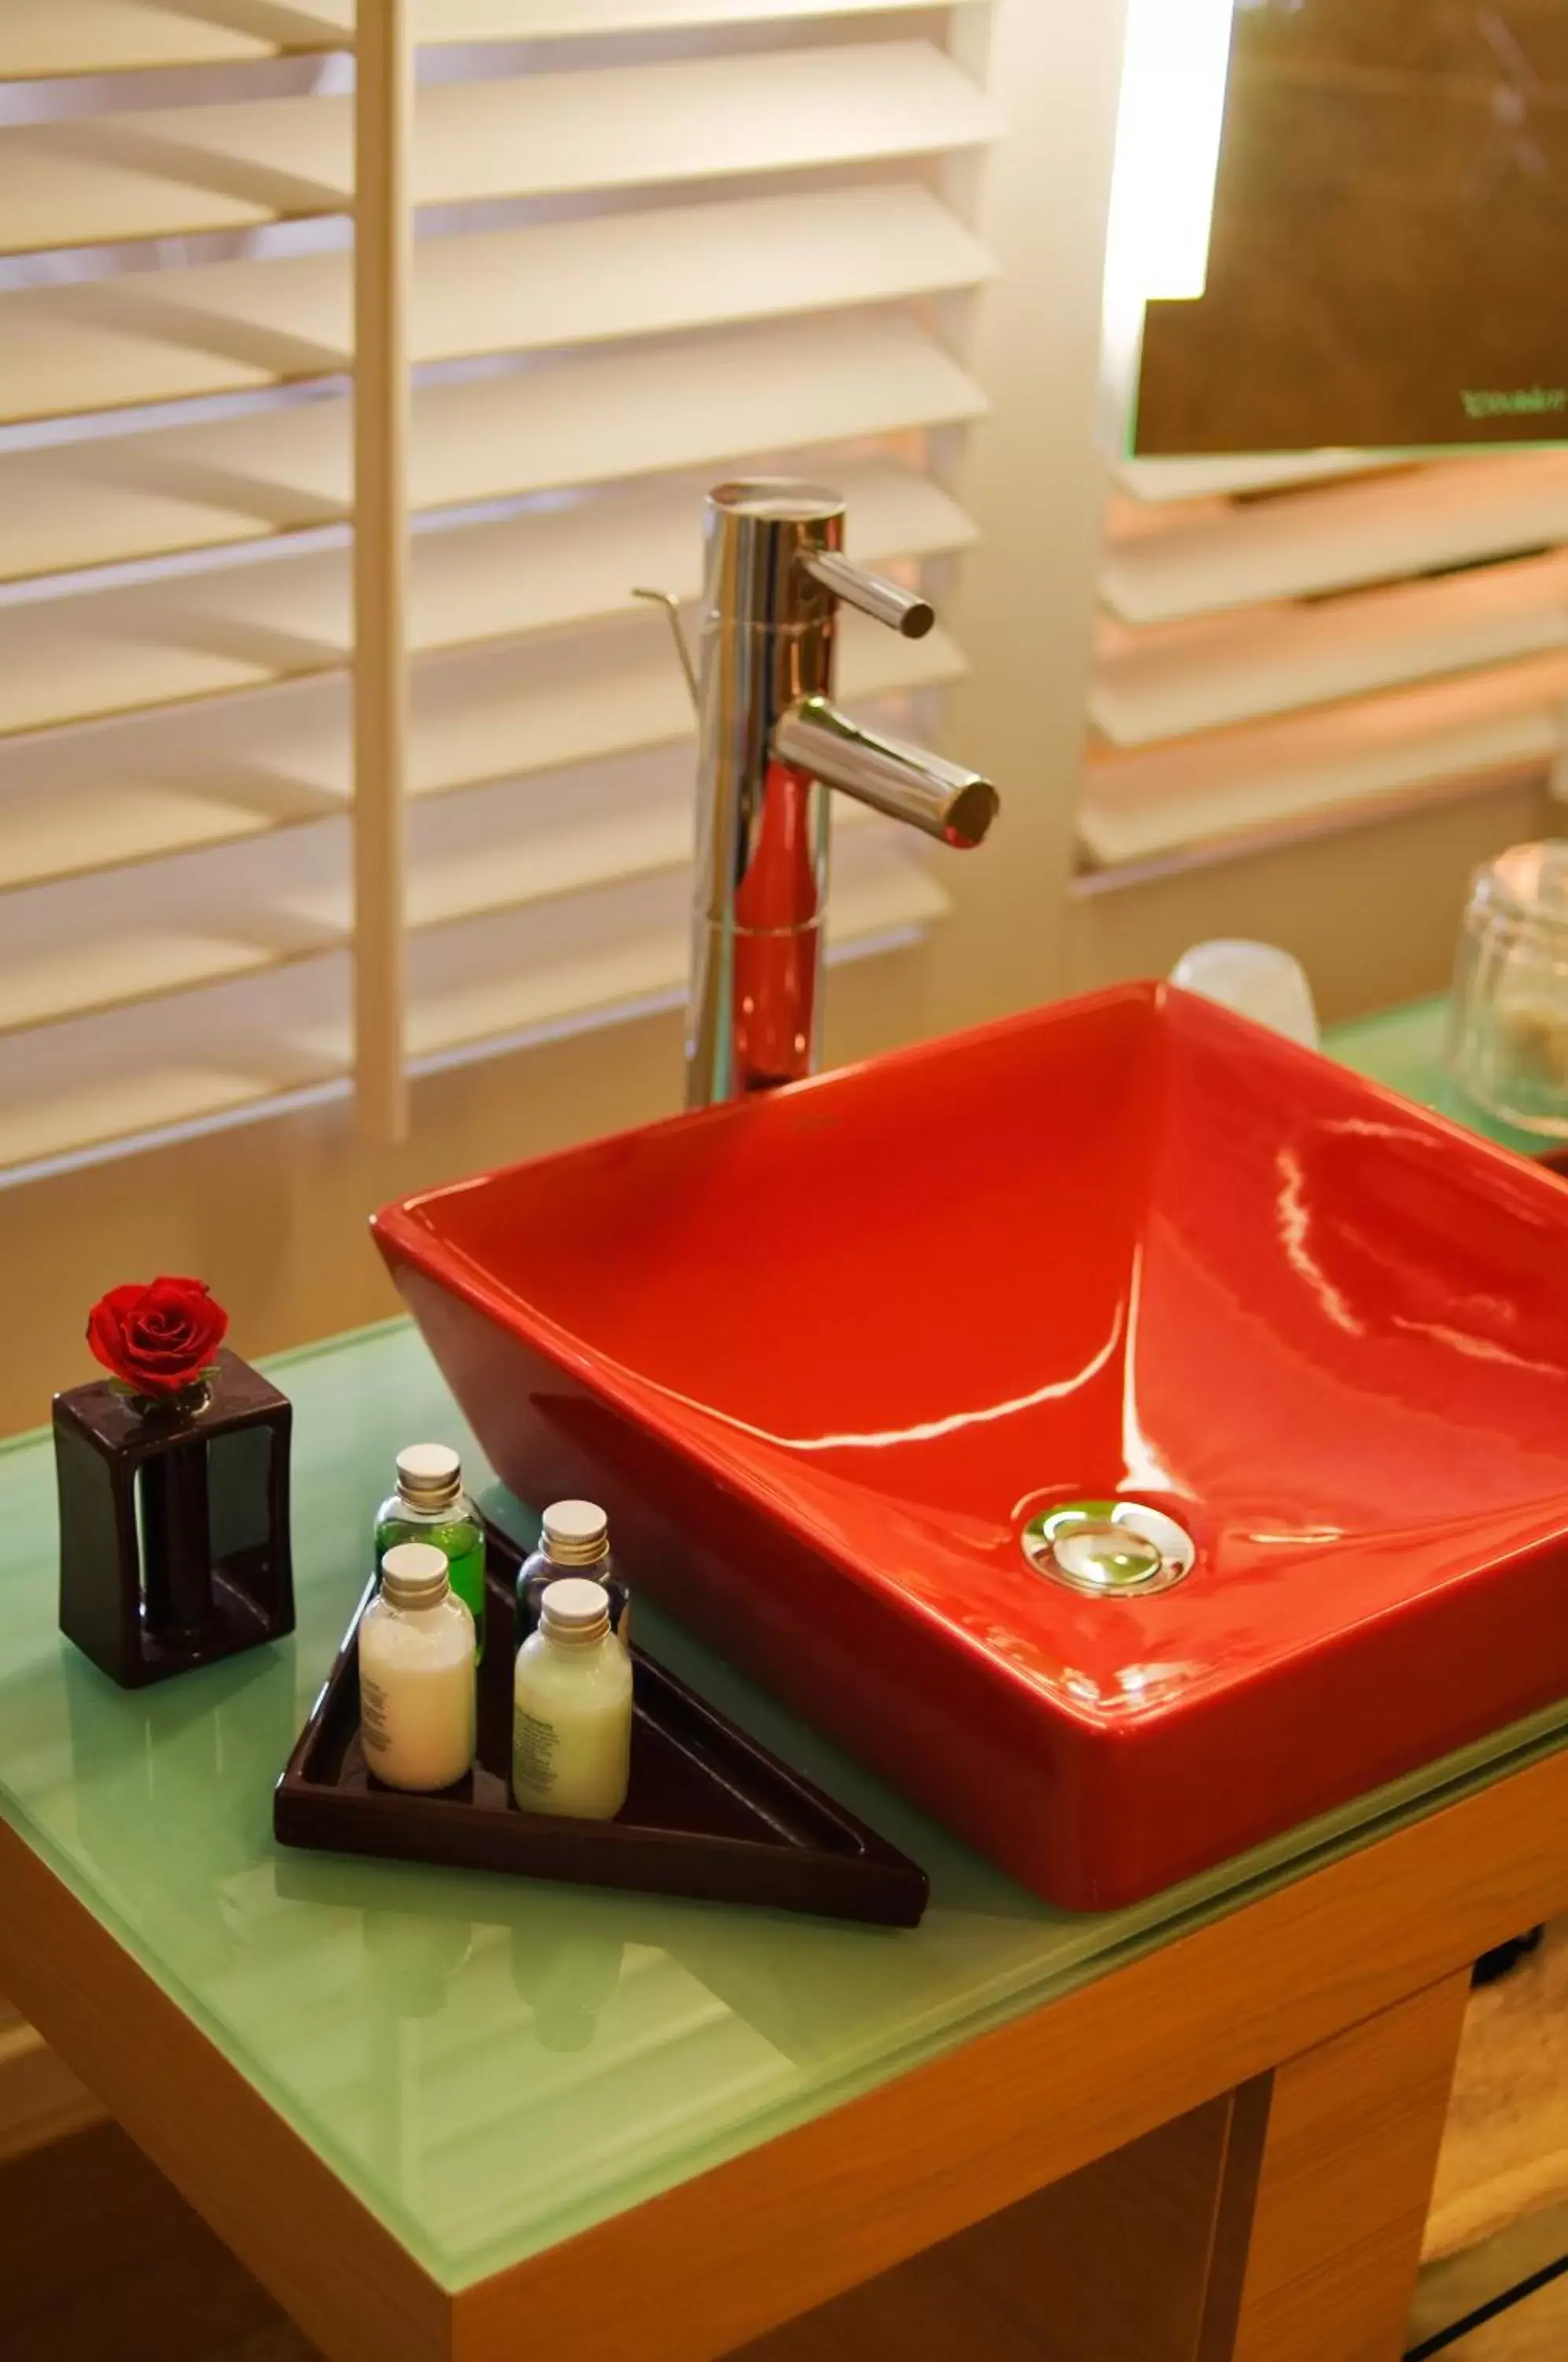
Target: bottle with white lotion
x=416, y=1675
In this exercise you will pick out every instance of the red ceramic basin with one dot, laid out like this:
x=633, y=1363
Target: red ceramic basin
x=823, y=1356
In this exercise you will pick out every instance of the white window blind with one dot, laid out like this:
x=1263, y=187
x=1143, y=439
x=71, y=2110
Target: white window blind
x=1282, y=642
x=657, y=240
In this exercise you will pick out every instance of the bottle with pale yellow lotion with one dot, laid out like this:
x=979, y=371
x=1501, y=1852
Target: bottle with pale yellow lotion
x=571, y=1732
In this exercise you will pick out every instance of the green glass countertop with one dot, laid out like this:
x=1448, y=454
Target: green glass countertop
x=490, y=2064
x=1403, y=1047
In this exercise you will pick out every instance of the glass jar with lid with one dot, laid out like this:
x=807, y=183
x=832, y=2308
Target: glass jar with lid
x=1507, y=1034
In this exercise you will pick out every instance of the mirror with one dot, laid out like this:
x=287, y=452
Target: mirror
x=1339, y=223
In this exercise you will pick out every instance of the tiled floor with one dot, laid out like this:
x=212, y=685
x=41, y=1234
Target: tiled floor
x=1500, y=2209
x=1535, y=2331
x=1462, y=2284
x=1505, y=2154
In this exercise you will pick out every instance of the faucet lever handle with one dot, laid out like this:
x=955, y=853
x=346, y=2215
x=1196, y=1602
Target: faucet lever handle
x=904, y=611
x=671, y=605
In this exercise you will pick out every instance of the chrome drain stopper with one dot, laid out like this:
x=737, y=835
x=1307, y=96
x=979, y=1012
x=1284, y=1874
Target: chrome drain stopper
x=1108, y=1549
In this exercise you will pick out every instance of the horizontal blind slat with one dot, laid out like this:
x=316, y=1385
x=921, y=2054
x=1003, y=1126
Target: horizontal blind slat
x=231, y=328
x=1170, y=683
x=120, y=651
x=77, y=802
x=164, y=173
x=1158, y=480
x=1141, y=806
x=542, y=20
x=1418, y=521
x=703, y=400
x=76, y=37
x=42, y=39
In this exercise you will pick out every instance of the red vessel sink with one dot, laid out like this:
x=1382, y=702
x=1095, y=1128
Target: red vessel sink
x=825, y=1355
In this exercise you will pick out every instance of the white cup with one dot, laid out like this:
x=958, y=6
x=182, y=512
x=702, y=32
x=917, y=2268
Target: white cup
x=1257, y=980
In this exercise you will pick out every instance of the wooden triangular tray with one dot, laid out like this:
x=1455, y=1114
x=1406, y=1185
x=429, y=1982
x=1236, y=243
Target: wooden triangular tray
x=711, y=1814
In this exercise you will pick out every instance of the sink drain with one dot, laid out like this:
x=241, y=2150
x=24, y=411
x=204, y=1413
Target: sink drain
x=1108, y=1549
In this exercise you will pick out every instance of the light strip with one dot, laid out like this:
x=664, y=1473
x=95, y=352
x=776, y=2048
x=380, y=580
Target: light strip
x=1174, y=71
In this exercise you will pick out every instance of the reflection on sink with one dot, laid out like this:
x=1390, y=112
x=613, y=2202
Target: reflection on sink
x=825, y=1355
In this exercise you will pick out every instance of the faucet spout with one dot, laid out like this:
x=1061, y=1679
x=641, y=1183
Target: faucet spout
x=909, y=783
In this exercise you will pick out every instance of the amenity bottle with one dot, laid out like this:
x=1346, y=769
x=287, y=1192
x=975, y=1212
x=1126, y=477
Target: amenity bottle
x=430, y=1505
x=416, y=1675
x=571, y=1733
x=574, y=1538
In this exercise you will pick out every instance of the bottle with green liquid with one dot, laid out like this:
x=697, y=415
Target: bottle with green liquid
x=430, y=1505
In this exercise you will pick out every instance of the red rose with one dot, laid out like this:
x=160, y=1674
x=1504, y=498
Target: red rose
x=159, y=1339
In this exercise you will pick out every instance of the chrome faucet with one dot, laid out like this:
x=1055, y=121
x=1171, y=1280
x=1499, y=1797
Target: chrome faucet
x=771, y=744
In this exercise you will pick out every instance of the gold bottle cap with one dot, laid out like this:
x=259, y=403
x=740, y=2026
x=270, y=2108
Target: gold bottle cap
x=429, y=1474
x=574, y=1609
x=575, y=1533
x=414, y=1574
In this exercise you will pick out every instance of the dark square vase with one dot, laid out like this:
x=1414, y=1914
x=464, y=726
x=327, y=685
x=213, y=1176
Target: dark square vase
x=174, y=1524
